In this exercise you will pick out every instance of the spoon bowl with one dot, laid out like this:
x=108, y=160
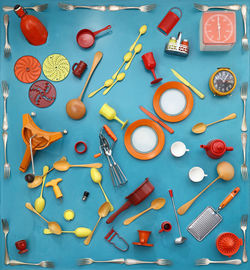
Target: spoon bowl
x=104, y=210
x=180, y=240
x=54, y=227
x=199, y=128
x=225, y=171
x=158, y=203
x=75, y=109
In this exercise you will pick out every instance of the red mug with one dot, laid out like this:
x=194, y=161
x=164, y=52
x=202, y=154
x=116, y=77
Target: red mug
x=165, y=227
x=169, y=21
x=79, y=68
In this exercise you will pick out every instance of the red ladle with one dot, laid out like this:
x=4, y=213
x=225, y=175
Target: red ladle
x=86, y=38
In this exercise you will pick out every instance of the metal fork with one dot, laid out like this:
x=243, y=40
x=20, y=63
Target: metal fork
x=243, y=95
x=44, y=264
x=244, y=40
x=243, y=226
x=72, y=7
x=244, y=166
x=5, y=89
x=7, y=48
x=205, y=261
x=37, y=8
x=5, y=225
x=6, y=171
x=206, y=8
x=144, y=8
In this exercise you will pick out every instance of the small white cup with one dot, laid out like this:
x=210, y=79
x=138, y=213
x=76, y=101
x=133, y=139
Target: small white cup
x=196, y=174
x=178, y=149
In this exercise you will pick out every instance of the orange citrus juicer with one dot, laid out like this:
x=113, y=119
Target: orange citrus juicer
x=42, y=139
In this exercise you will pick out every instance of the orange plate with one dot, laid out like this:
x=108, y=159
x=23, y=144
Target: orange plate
x=158, y=130
x=178, y=86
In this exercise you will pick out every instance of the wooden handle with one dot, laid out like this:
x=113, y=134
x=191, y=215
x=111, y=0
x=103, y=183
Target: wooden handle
x=131, y=219
x=197, y=92
x=229, y=117
x=183, y=209
x=92, y=165
x=88, y=239
x=229, y=198
x=32, y=209
x=97, y=59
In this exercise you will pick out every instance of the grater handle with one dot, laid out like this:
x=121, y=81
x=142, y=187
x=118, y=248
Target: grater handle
x=229, y=198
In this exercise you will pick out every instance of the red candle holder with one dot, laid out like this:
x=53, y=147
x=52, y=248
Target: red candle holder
x=150, y=64
x=21, y=246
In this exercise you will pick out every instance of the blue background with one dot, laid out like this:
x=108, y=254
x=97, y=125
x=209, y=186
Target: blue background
x=164, y=171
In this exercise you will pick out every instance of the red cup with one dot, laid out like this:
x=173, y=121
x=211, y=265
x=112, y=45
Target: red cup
x=79, y=68
x=169, y=21
x=150, y=64
x=165, y=227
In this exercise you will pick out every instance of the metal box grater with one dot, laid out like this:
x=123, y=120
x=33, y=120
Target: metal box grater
x=204, y=223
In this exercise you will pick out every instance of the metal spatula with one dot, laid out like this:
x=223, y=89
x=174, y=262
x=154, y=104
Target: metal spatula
x=209, y=218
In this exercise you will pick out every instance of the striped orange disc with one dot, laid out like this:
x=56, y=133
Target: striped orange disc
x=27, y=69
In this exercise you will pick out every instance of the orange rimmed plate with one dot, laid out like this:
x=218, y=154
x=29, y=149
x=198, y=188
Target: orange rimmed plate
x=184, y=93
x=156, y=147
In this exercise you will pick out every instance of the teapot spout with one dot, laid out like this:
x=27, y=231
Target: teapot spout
x=204, y=146
x=229, y=148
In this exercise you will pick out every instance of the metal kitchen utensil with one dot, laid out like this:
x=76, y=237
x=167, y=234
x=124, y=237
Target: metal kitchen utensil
x=244, y=40
x=37, y=8
x=209, y=218
x=6, y=167
x=72, y=7
x=117, y=175
x=7, y=48
x=180, y=239
x=243, y=95
x=5, y=226
x=44, y=264
x=244, y=172
x=206, y=8
x=205, y=261
x=109, y=237
x=243, y=226
x=161, y=262
x=5, y=89
x=144, y=8
x=87, y=261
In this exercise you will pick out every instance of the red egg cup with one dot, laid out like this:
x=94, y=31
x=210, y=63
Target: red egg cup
x=150, y=64
x=21, y=246
x=143, y=238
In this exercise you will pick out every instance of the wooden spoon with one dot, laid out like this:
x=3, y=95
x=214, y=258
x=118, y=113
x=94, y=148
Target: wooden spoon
x=75, y=107
x=102, y=212
x=201, y=127
x=225, y=172
x=155, y=204
x=63, y=165
x=54, y=227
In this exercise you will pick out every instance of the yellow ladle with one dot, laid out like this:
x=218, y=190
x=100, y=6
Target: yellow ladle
x=119, y=78
x=106, y=84
x=40, y=202
x=126, y=59
x=142, y=31
x=137, y=49
x=97, y=178
x=79, y=232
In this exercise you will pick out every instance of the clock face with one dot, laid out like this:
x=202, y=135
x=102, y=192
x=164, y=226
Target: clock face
x=224, y=81
x=219, y=27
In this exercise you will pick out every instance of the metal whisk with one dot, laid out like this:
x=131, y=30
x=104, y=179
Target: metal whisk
x=117, y=175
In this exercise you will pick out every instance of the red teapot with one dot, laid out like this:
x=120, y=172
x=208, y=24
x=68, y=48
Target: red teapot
x=32, y=28
x=216, y=148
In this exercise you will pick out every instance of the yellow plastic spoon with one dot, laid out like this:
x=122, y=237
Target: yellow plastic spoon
x=142, y=31
x=106, y=84
x=79, y=232
x=137, y=49
x=40, y=202
x=97, y=178
x=119, y=78
x=126, y=59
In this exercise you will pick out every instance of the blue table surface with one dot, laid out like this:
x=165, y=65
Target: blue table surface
x=165, y=172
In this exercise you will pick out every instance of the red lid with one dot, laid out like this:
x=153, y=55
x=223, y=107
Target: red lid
x=218, y=147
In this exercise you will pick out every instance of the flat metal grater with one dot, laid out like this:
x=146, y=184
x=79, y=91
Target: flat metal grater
x=204, y=223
